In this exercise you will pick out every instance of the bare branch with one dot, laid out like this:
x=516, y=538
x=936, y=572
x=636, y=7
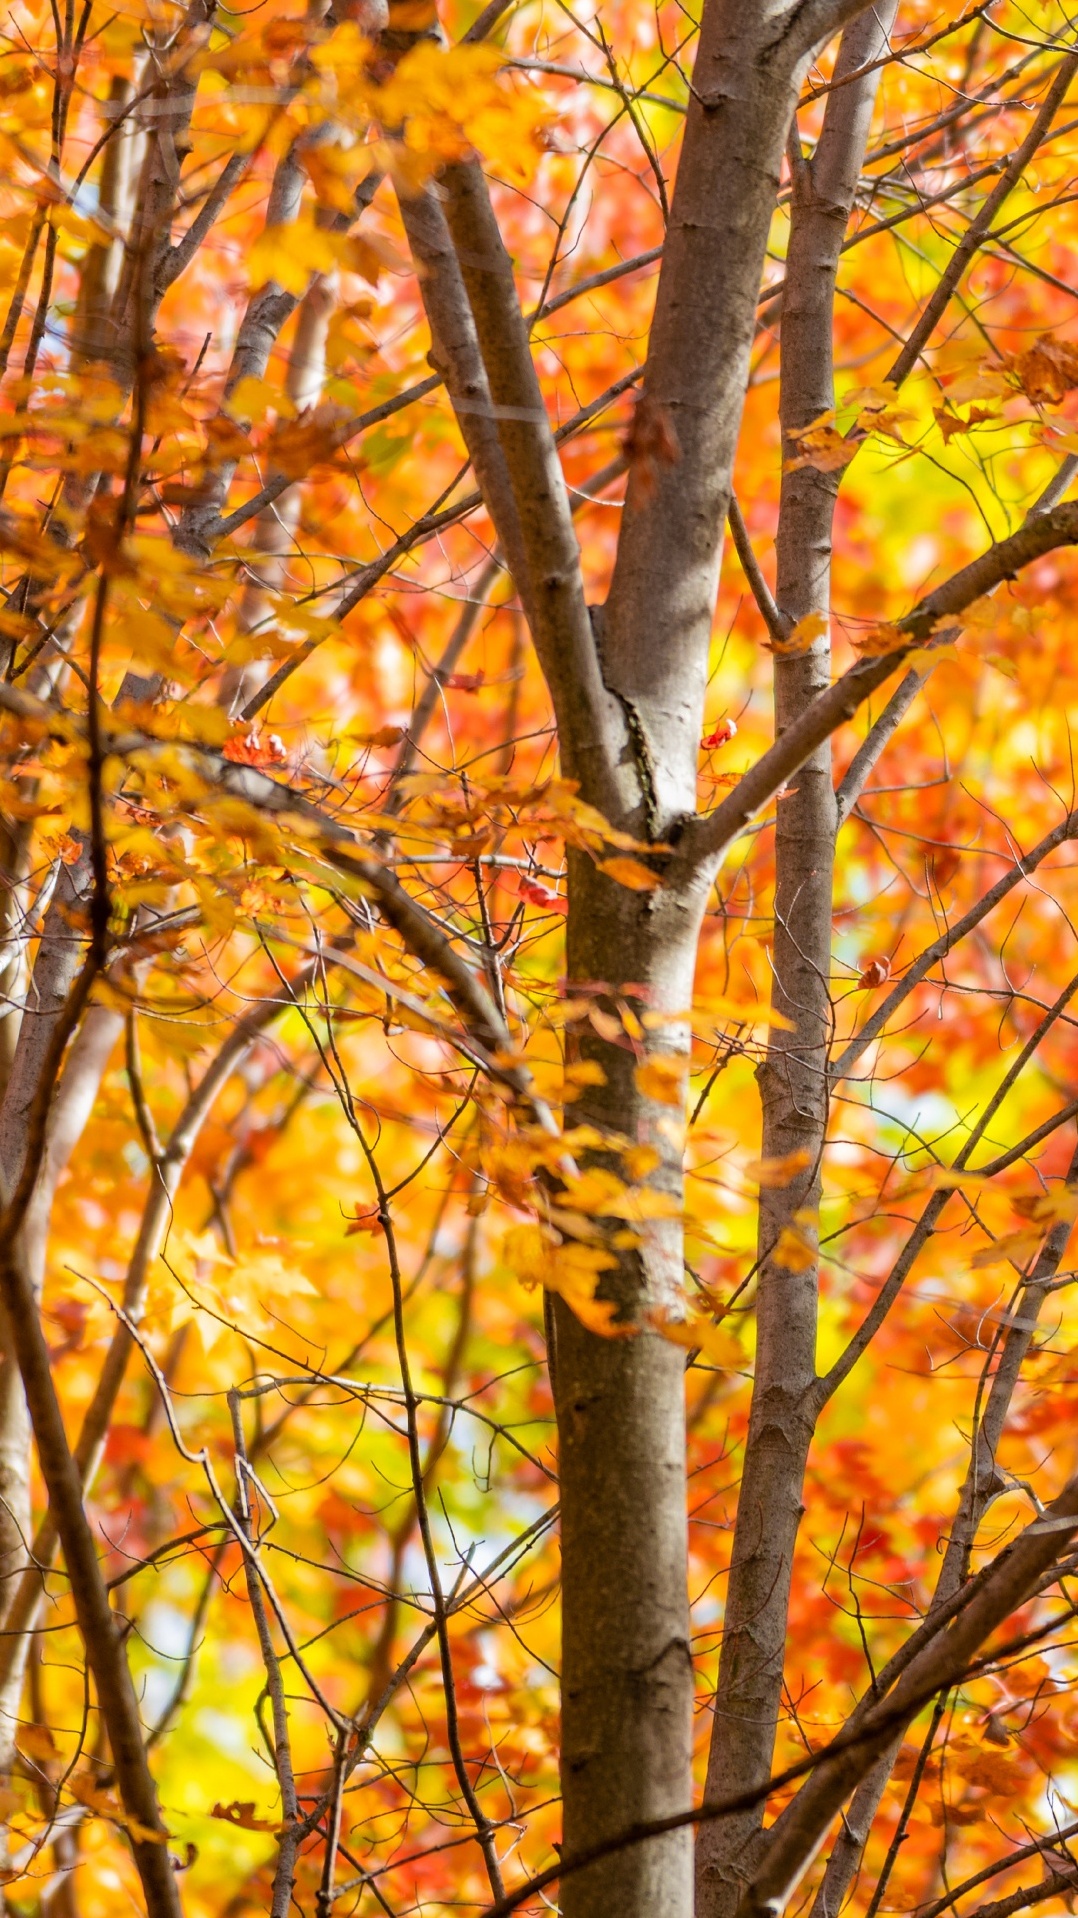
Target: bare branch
x=707, y=837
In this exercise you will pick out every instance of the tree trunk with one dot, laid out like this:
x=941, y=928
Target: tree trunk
x=627, y=1681
x=793, y=1078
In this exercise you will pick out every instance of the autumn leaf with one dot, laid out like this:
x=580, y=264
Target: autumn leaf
x=875, y=973
x=801, y=637
x=662, y=1077
x=695, y=1333
x=537, y=894
x=1047, y=371
x=630, y=872
x=242, y=1812
x=795, y=1251
x=950, y=423
x=774, y=1174
x=881, y=640
x=255, y=748
x=821, y=447
x=1013, y=1248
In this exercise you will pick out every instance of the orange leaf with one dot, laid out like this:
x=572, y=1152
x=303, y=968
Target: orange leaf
x=630, y=872
x=662, y=1078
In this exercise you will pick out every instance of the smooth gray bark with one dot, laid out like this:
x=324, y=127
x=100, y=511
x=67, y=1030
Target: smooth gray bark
x=658, y=616
x=627, y=1680
x=793, y=1078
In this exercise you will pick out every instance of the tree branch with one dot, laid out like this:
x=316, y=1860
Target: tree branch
x=590, y=721
x=980, y=225
x=874, y=1025
x=707, y=837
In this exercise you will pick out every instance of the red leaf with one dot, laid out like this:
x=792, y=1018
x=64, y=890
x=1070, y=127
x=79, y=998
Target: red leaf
x=539, y=895
x=255, y=749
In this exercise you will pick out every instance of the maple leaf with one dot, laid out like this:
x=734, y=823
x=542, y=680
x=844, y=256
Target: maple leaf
x=297, y=446
x=950, y=423
x=881, y=640
x=774, y=1174
x=820, y=447
x=1014, y=1248
x=241, y=1812
x=695, y=1333
x=722, y=733
x=1048, y=371
x=793, y=1251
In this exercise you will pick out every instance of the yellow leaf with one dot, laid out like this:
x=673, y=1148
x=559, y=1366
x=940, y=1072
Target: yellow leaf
x=37, y=1741
x=370, y=256
x=1015, y=1248
x=583, y=1072
x=252, y=399
x=290, y=254
x=794, y=1252
x=639, y=1160
x=881, y=640
x=698, y=1334
x=776, y=1173
x=803, y=636
x=151, y=639
x=662, y=1078
x=569, y=1268
x=744, y=1012
x=822, y=447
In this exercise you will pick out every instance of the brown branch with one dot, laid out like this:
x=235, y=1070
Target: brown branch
x=288, y=1846
x=1067, y=829
x=707, y=837
x=105, y=1653
x=875, y=743
x=1054, y=1884
x=590, y=721
x=980, y=225
x=777, y=624
x=456, y=356
x=1016, y=1857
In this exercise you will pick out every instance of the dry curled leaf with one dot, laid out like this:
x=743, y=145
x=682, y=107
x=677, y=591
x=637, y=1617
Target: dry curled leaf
x=821, y=446
x=876, y=973
x=1048, y=371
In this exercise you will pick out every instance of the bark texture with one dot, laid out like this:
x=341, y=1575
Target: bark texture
x=627, y=1680
x=793, y=1078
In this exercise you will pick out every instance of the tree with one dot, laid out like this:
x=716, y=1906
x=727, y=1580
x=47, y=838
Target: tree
x=743, y=1044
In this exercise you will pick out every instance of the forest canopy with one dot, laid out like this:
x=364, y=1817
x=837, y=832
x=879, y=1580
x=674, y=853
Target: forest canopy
x=538, y=958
